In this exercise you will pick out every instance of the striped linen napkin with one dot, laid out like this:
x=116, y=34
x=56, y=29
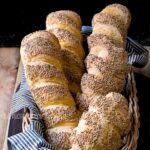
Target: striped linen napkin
x=32, y=138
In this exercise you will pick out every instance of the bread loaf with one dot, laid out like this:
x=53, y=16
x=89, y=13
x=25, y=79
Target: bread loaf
x=66, y=24
x=40, y=53
x=105, y=119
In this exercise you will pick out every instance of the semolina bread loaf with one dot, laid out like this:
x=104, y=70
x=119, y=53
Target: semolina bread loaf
x=40, y=53
x=65, y=25
x=105, y=119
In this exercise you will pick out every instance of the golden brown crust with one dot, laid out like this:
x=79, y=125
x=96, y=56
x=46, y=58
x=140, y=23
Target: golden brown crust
x=96, y=65
x=41, y=34
x=71, y=29
x=111, y=52
x=73, y=69
x=74, y=88
x=101, y=136
x=73, y=74
x=83, y=101
x=65, y=36
x=37, y=46
x=107, y=60
x=98, y=39
x=66, y=17
x=73, y=15
x=66, y=26
x=106, y=118
x=43, y=68
x=113, y=107
x=70, y=58
x=53, y=93
x=56, y=17
x=67, y=39
x=110, y=31
x=87, y=132
x=103, y=125
x=59, y=137
x=126, y=11
x=94, y=85
x=58, y=114
x=119, y=11
x=109, y=19
x=41, y=71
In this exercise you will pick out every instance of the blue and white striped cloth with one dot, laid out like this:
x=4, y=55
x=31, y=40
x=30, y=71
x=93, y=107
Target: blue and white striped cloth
x=33, y=137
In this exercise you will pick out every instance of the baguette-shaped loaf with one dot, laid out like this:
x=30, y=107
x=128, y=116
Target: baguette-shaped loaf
x=105, y=119
x=65, y=25
x=40, y=53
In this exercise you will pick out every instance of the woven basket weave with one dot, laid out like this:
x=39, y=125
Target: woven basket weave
x=131, y=140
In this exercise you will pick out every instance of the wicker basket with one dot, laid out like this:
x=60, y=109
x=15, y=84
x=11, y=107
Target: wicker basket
x=131, y=140
x=136, y=55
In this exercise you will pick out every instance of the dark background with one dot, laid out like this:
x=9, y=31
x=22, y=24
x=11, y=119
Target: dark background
x=20, y=18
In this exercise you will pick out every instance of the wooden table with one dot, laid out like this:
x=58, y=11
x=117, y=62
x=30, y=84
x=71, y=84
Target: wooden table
x=9, y=62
